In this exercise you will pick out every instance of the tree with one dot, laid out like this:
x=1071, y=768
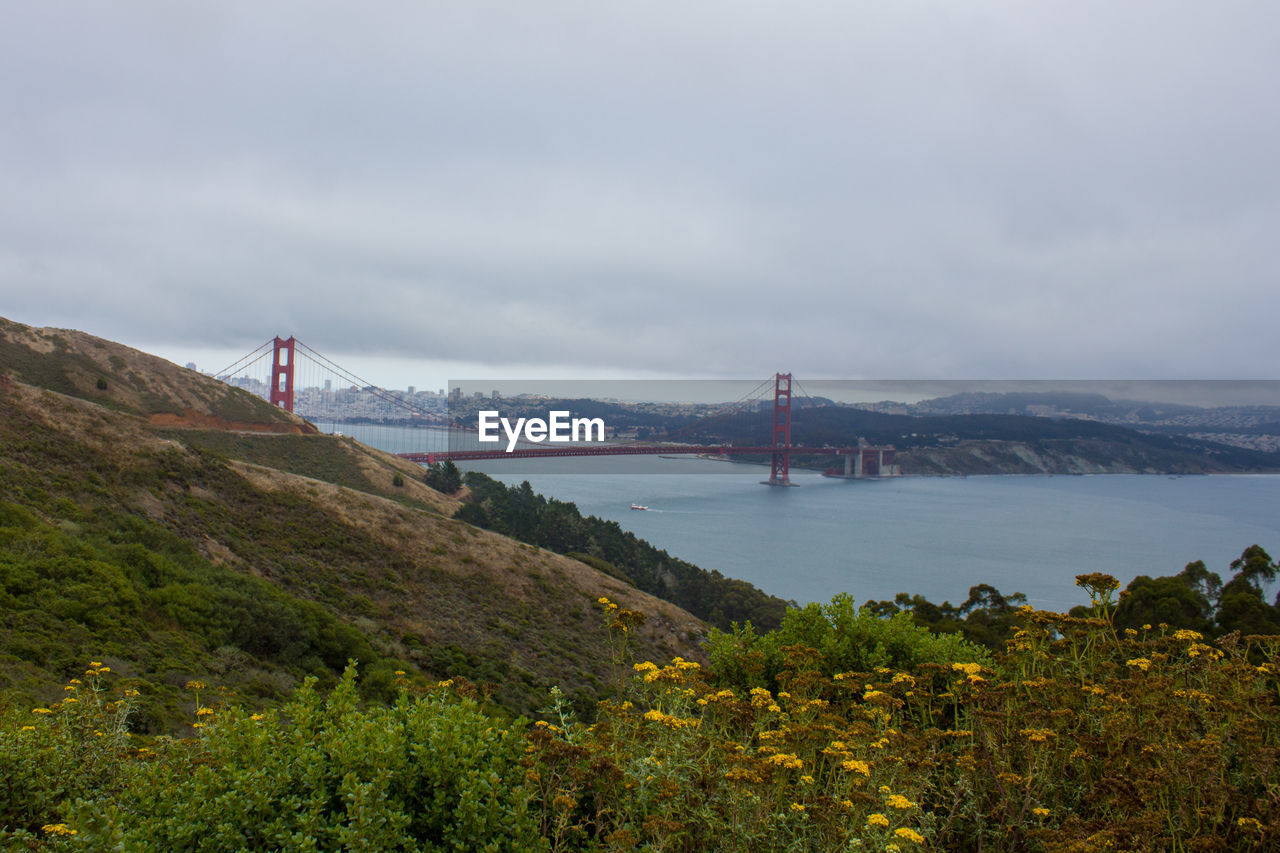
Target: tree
x=1169, y=600
x=444, y=477
x=1242, y=607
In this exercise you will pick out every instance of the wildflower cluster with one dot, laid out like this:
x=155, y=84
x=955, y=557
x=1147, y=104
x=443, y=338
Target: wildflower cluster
x=58, y=752
x=1037, y=748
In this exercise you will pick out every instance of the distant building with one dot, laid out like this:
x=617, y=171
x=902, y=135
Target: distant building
x=412, y=390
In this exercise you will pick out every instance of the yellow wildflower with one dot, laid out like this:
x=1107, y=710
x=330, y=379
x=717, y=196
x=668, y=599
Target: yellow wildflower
x=671, y=722
x=783, y=759
x=204, y=712
x=855, y=766
x=41, y=711
x=1038, y=735
x=797, y=807
x=897, y=801
x=1040, y=812
x=1143, y=664
x=1187, y=634
x=57, y=829
x=909, y=835
x=877, y=820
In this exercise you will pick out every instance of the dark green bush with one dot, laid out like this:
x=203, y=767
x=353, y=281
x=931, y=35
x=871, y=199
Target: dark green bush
x=427, y=773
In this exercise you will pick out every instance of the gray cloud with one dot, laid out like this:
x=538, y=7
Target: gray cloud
x=998, y=190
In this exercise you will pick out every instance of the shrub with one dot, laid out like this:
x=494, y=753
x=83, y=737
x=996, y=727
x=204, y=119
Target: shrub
x=844, y=637
x=53, y=754
x=429, y=772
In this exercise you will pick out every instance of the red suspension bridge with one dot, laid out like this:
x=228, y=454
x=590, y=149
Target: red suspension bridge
x=297, y=378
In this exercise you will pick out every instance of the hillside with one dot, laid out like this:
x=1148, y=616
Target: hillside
x=932, y=445
x=178, y=529
x=1055, y=456
x=127, y=380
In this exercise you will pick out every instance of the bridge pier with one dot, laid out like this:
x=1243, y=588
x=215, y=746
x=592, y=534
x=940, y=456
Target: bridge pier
x=282, y=373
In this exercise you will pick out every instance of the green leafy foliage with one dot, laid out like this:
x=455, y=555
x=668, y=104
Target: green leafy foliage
x=51, y=756
x=986, y=617
x=842, y=638
x=322, y=773
x=142, y=597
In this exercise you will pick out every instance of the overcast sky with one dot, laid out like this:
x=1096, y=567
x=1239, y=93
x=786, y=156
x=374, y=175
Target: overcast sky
x=428, y=191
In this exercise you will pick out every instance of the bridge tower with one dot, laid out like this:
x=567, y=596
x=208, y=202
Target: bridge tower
x=781, y=464
x=282, y=374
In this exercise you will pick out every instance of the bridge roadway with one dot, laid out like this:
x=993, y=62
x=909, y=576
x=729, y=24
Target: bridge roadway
x=622, y=450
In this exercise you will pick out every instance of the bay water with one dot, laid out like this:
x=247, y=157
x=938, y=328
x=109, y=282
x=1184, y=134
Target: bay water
x=935, y=537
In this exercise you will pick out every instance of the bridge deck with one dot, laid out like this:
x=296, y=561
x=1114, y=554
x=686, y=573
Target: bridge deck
x=621, y=450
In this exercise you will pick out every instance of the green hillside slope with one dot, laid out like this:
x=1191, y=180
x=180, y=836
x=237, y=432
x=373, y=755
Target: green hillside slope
x=250, y=560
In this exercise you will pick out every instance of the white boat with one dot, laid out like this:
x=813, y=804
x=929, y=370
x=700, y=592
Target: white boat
x=637, y=506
